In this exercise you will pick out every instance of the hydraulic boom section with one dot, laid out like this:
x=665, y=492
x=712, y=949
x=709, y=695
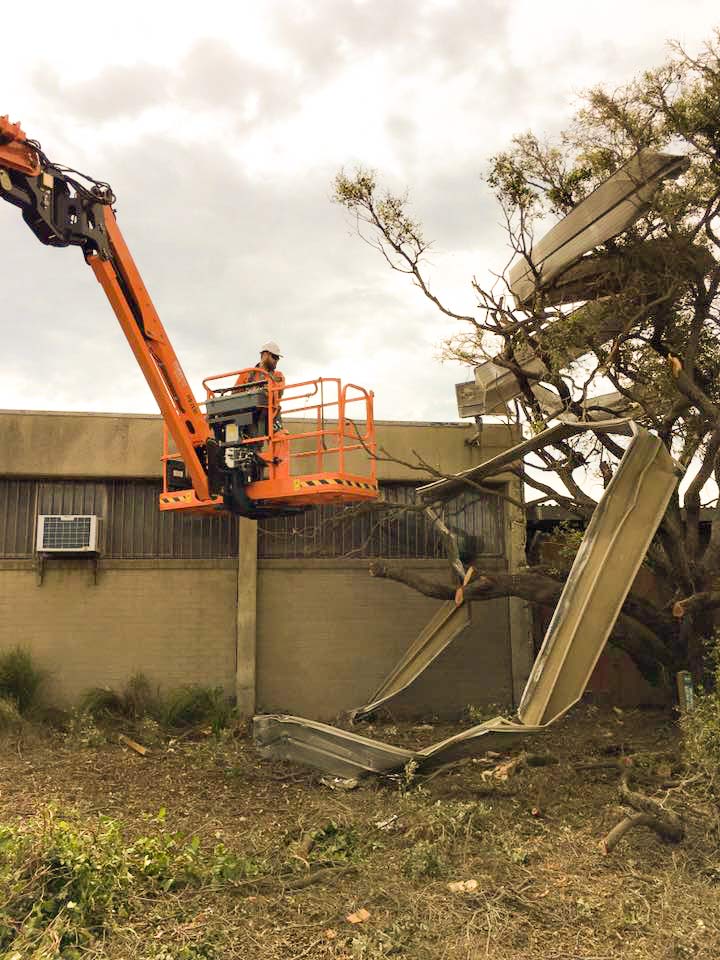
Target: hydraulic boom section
x=237, y=457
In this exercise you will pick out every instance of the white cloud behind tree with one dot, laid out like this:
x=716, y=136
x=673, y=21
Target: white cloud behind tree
x=221, y=127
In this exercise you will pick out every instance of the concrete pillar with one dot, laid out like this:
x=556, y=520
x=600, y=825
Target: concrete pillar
x=246, y=655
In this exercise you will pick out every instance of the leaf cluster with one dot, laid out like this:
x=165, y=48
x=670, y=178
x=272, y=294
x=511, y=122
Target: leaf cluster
x=63, y=884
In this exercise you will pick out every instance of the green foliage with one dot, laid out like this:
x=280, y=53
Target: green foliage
x=138, y=699
x=701, y=726
x=191, y=705
x=101, y=702
x=394, y=231
x=83, y=731
x=395, y=940
x=10, y=718
x=445, y=820
x=424, y=860
x=142, y=704
x=476, y=715
x=562, y=546
x=67, y=883
x=340, y=844
x=20, y=678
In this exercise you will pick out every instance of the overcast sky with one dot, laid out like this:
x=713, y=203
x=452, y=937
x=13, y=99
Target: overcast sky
x=221, y=126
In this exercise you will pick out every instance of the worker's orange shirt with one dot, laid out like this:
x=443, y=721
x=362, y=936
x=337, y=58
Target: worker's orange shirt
x=250, y=376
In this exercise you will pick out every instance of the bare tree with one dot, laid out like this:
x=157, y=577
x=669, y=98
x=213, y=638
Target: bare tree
x=646, y=327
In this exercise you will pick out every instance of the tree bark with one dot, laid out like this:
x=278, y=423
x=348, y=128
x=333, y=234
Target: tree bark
x=640, y=642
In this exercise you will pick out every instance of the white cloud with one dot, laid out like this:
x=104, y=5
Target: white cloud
x=221, y=128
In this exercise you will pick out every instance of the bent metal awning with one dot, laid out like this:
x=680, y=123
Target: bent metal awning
x=614, y=545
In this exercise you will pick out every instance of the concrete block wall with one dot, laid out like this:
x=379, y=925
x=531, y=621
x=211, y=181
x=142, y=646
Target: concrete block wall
x=316, y=638
x=331, y=633
x=175, y=623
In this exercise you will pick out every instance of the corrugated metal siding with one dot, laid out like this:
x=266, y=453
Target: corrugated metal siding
x=131, y=527
x=18, y=509
x=477, y=519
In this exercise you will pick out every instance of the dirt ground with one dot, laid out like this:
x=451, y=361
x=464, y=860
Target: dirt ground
x=387, y=851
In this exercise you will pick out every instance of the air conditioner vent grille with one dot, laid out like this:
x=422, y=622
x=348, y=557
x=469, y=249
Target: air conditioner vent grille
x=71, y=534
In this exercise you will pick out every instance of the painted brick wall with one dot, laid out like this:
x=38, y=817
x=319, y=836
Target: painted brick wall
x=176, y=624
x=329, y=633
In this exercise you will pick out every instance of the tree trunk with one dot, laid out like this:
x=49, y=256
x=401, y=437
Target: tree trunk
x=645, y=646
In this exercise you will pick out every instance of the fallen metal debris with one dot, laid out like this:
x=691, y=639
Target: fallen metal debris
x=344, y=754
x=607, y=211
x=611, y=552
x=449, y=486
x=336, y=752
x=449, y=621
x=615, y=542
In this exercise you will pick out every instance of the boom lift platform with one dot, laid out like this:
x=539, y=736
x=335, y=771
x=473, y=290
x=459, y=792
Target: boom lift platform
x=233, y=455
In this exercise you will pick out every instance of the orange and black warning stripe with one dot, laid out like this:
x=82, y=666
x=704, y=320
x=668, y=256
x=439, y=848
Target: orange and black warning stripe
x=179, y=498
x=337, y=481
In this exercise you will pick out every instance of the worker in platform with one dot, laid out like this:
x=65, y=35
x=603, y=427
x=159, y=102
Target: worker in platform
x=267, y=369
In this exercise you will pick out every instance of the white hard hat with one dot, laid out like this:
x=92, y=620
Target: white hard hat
x=271, y=347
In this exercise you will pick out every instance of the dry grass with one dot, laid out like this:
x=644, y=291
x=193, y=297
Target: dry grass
x=544, y=890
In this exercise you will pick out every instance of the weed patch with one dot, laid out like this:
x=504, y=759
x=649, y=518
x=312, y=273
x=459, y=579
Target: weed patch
x=10, y=719
x=191, y=705
x=20, y=678
x=424, y=860
x=63, y=884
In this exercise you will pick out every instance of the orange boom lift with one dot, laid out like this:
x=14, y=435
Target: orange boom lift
x=233, y=455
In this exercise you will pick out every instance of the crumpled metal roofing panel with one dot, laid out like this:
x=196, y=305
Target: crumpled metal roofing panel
x=611, y=208
x=449, y=621
x=615, y=542
x=349, y=755
x=337, y=752
x=439, y=489
x=610, y=554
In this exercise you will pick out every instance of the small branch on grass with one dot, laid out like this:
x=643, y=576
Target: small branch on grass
x=508, y=768
x=301, y=850
x=273, y=883
x=649, y=813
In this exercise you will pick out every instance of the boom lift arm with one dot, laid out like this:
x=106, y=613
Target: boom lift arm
x=62, y=211
x=65, y=208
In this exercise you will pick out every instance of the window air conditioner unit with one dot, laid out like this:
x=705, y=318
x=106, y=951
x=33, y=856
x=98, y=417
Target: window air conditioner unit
x=67, y=534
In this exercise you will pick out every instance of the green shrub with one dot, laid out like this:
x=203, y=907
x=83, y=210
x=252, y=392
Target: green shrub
x=10, y=718
x=701, y=726
x=701, y=737
x=20, y=678
x=138, y=699
x=191, y=705
x=98, y=702
x=187, y=706
x=64, y=883
x=141, y=699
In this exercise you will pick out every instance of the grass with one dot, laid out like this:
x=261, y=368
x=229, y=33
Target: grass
x=20, y=679
x=194, y=705
x=176, y=709
x=10, y=718
x=194, y=852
